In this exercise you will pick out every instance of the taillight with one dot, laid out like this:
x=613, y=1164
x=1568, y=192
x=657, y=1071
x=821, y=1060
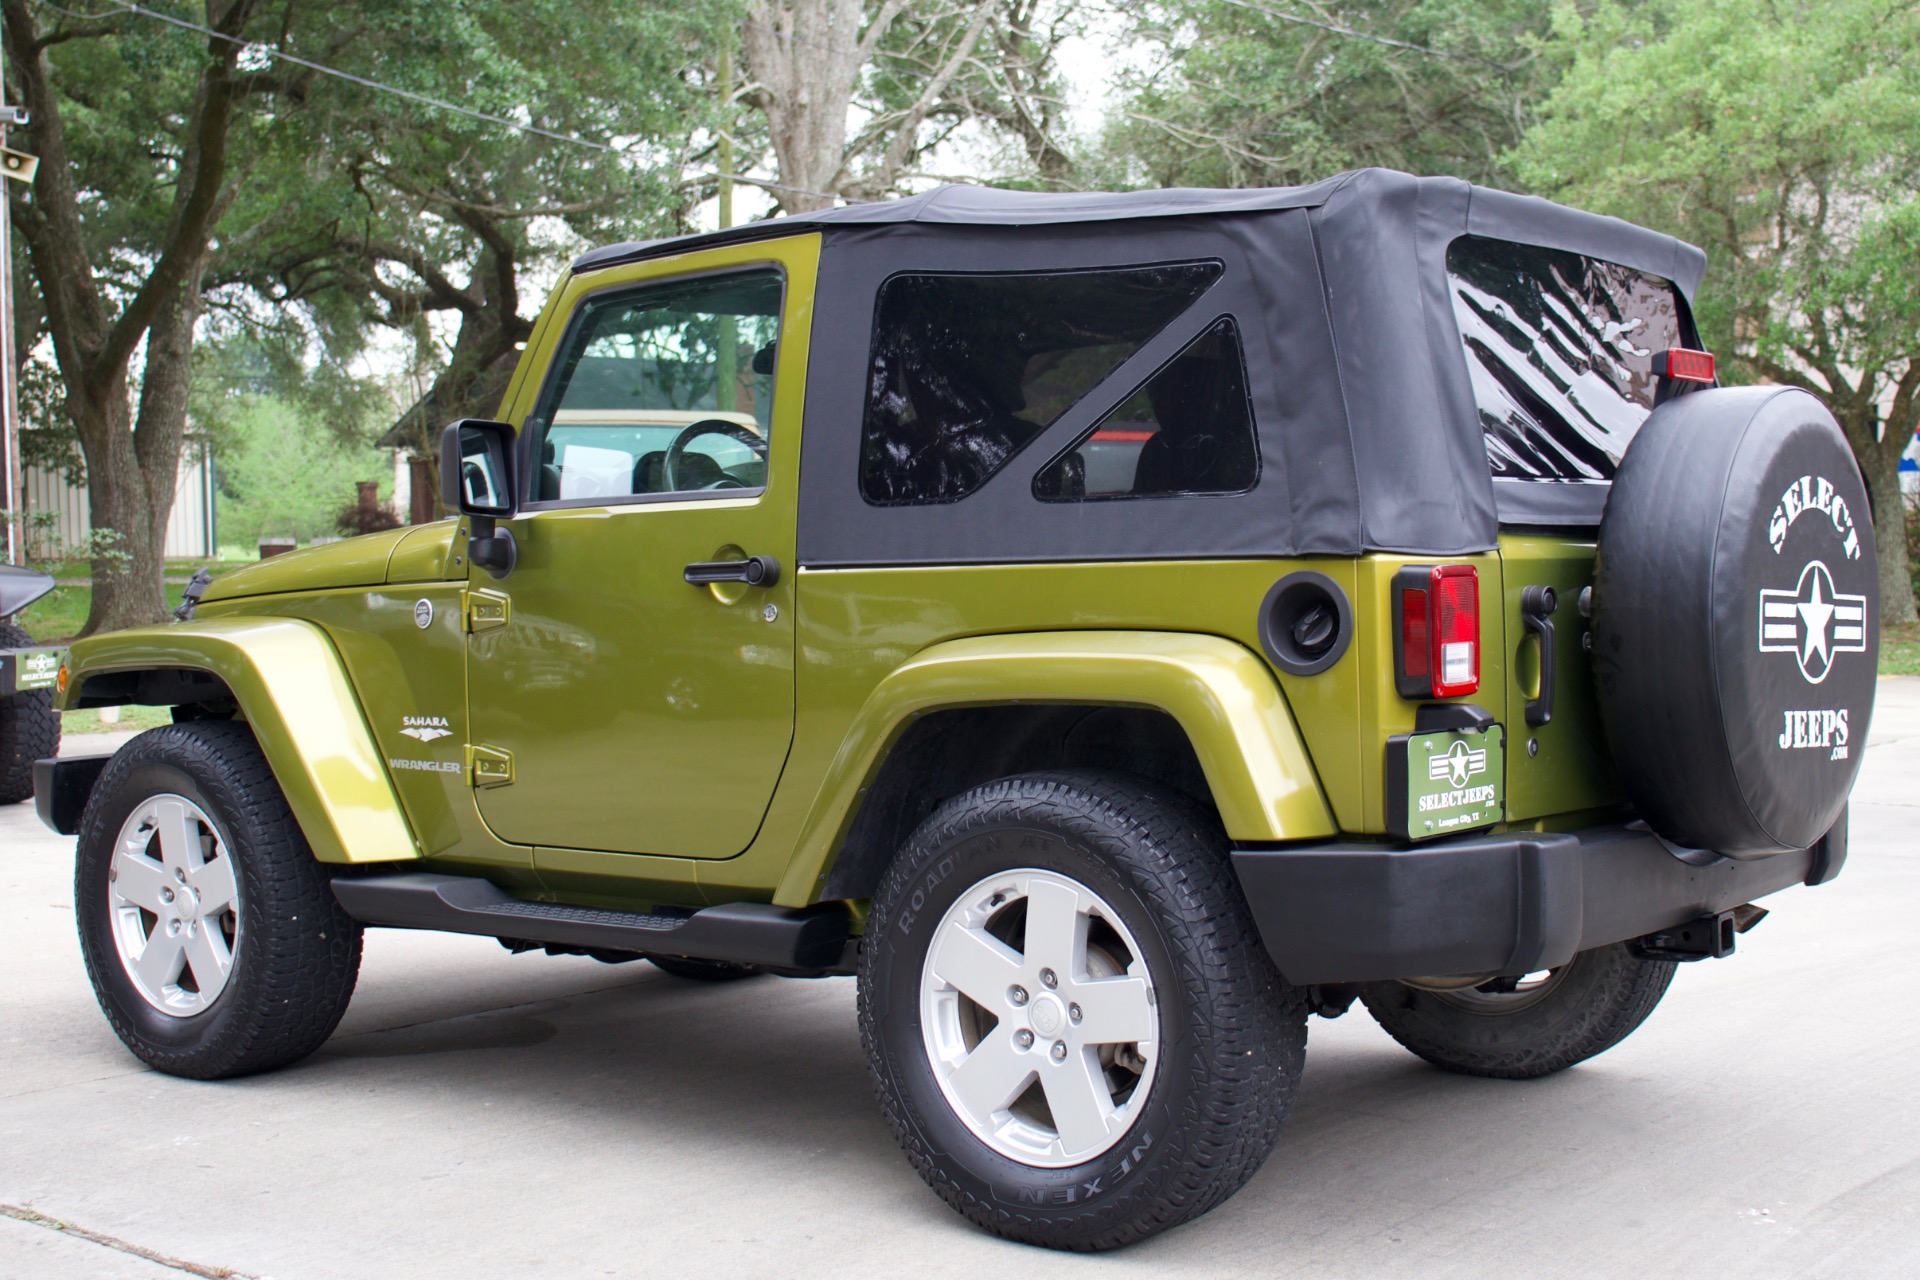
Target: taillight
x=1437, y=630
x=1684, y=364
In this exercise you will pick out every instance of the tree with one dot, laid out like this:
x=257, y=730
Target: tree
x=117, y=230
x=184, y=170
x=415, y=212
x=1784, y=138
x=1241, y=93
x=814, y=62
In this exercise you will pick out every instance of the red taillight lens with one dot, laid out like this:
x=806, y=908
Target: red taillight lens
x=1437, y=613
x=1684, y=364
x=1456, y=630
x=1415, y=637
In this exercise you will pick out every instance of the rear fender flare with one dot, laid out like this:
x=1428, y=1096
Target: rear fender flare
x=292, y=688
x=1223, y=697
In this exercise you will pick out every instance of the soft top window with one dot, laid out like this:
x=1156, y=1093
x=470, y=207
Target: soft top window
x=1187, y=431
x=966, y=369
x=1560, y=348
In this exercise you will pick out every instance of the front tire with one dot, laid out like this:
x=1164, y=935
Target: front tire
x=1517, y=1030
x=211, y=934
x=1074, y=1030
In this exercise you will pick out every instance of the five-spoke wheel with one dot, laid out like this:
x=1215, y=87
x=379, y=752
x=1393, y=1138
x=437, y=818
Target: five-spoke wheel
x=175, y=905
x=1072, y=1025
x=210, y=932
x=1039, y=1017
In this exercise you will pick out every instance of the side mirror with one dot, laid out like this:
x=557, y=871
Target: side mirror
x=476, y=468
x=477, y=480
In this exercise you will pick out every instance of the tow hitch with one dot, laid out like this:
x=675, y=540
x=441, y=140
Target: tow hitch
x=1705, y=938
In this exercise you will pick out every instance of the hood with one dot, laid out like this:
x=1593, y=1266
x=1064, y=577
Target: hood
x=356, y=562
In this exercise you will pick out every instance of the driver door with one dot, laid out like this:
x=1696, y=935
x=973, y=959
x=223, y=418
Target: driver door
x=615, y=705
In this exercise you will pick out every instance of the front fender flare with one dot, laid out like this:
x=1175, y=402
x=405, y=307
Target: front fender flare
x=1223, y=697
x=292, y=688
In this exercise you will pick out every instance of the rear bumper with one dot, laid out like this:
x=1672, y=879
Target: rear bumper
x=1503, y=904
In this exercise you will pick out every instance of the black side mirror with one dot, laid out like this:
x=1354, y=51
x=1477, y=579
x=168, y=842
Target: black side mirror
x=477, y=480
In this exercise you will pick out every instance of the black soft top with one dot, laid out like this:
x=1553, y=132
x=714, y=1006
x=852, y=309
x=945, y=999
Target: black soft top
x=1370, y=437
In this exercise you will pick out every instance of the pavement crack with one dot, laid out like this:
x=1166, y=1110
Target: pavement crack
x=34, y=1218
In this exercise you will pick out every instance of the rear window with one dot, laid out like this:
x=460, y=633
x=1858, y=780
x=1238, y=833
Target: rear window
x=966, y=369
x=1560, y=348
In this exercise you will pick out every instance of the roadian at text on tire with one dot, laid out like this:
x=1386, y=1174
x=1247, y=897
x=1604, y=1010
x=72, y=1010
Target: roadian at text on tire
x=1112, y=626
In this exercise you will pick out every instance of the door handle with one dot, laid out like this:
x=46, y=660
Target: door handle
x=755, y=571
x=1536, y=609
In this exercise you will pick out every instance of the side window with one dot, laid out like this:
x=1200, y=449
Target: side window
x=966, y=369
x=1188, y=430
x=667, y=388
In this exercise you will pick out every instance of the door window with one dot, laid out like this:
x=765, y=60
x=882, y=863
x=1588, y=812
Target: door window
x=664, y=389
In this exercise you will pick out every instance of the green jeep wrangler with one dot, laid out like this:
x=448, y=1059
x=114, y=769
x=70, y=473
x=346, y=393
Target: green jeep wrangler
x=1113, y=626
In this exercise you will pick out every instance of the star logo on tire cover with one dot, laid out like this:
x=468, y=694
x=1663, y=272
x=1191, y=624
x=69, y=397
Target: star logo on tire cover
x=1813, y=622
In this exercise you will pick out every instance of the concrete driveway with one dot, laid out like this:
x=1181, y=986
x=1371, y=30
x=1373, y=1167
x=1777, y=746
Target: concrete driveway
x=480, y=1114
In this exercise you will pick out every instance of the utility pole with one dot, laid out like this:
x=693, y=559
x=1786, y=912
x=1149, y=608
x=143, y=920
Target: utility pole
x=16, y=491
x=18, y=167
x=726, y=371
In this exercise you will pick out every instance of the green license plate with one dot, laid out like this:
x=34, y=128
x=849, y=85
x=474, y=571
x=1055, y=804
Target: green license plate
x=37, y=669
x=1445, y=782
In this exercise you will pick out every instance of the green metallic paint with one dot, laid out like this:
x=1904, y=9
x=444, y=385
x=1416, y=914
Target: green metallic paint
x=1573, y=770
x=425, y=554
x=355, y=562
x=400, y=669
x=644, y=715
x=293, y=690
x=857, y=626
x=1222, y=696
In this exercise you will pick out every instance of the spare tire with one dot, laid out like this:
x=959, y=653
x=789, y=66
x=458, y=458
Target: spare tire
x=1736, y=620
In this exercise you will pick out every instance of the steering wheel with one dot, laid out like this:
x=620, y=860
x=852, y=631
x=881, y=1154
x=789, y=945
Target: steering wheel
x=670, y=465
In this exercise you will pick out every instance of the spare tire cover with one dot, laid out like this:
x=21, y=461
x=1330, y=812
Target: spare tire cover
x=1736, y=620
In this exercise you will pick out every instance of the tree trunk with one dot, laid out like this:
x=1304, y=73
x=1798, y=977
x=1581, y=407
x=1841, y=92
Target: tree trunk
x=1881, y=466
x=806, y=57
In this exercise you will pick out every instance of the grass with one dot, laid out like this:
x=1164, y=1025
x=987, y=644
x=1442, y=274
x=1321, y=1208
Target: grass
x=58, y=616
x=73, y=723
x=1900, y=650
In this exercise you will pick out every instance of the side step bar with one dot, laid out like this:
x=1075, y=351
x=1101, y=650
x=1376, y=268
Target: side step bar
x=756, y=933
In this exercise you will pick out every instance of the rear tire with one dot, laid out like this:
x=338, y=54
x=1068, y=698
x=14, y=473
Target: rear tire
x=1585, y=1007
x=211, y=934
x=29, y=728
x=1074, y=1030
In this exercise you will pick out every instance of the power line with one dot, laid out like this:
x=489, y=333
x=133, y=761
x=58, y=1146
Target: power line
x=345, y=75
x=382, y=87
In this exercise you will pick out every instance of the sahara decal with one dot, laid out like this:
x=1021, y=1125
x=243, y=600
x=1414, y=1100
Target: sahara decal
x=1813, y=622
x=1813, y=493
x=425, y=728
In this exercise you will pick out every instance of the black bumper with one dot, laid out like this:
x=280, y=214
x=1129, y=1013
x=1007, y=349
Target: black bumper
x=1505, y=904
x=61, y=788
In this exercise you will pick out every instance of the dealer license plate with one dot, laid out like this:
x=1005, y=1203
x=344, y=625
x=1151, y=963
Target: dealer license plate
x=1448, y=782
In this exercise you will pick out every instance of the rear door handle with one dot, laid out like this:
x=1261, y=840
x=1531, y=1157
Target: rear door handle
x=755, y=571
x=1536, y=611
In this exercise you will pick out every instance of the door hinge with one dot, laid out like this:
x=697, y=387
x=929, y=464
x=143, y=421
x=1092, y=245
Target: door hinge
x=485, y=610
x=489, y=766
